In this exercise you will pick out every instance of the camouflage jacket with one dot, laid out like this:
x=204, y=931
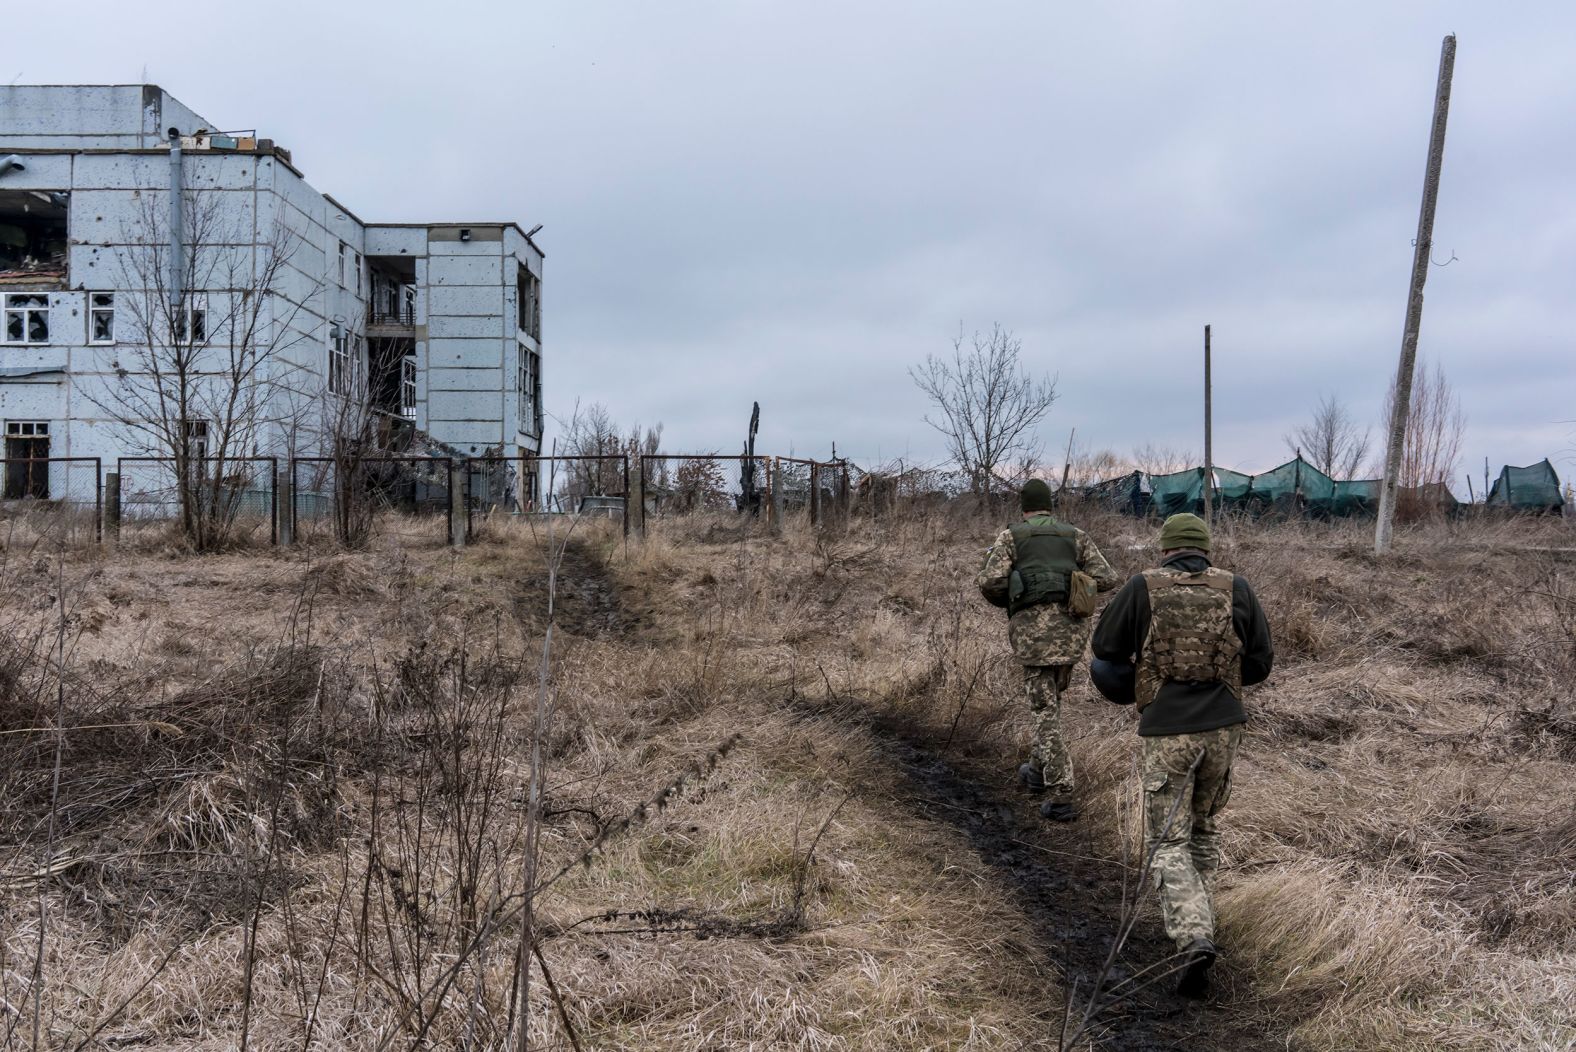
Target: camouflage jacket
x=1043, y=635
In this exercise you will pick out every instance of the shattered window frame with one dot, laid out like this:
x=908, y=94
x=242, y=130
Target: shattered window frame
x=407, y=387
x=101, y=308
x=26, y=319
x=339, y=365
x=195, y=308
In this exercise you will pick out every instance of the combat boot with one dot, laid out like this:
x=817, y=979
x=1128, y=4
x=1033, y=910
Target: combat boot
x=1196, y=961
x=1031, y=779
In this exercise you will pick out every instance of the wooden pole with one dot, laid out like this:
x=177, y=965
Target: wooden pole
x=1209, y=436
x=1067, y=467
x=1414, y=304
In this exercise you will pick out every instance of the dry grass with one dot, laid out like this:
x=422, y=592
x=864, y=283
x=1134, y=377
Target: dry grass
x=304, y=796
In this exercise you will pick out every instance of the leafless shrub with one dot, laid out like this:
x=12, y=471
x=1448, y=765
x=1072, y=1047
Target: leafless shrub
x=1431, y=446
x=204, y=379
x=988, y=407
x=1331, y=441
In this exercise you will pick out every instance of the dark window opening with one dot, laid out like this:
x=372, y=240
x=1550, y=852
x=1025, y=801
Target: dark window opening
x=26, y=317
x=26, y=459
x=528, y=300
x=197, y=333
x=33, y=235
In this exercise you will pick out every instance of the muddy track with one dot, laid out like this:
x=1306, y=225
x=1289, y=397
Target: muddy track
x=1071, y=896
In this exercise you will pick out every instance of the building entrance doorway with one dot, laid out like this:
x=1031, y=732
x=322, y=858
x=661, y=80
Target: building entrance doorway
x=27, y=459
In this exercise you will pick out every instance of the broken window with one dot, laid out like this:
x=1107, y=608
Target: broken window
x=338, y=363
x=26, y=317
x=197, y=332
x=407, y=388
x=342, y=249
x=356, y=262
x=528, y=386
x=26, y=459
x=194, y=434
x=101, y=317
x=33, y=226
x=528, y=300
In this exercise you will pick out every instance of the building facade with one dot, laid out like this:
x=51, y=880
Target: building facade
x=132, y=230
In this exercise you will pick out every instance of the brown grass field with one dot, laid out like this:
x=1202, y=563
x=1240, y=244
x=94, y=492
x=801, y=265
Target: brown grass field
x=281, y=799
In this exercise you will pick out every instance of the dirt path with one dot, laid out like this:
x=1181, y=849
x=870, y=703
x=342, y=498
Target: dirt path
x=1070, y=894
x=1073, y=898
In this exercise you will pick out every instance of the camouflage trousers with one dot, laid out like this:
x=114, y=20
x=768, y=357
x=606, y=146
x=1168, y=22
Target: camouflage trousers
x=1187, y=847
x=1044, y=685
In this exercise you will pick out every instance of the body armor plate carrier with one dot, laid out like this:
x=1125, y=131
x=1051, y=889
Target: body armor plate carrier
x=1191, y=636
x=1045, y=556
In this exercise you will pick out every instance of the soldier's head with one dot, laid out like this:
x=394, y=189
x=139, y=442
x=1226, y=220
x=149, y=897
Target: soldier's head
x=1035, y=497
x=1184, y=531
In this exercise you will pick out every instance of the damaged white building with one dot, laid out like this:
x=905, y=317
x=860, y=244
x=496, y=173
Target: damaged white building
x=442, y=322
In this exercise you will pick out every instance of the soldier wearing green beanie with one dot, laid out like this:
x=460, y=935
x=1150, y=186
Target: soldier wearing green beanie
x=1039, y=569
x=1197, y=636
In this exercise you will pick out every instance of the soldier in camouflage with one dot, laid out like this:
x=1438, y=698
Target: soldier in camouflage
x=1181, y=641
x=1030, y=571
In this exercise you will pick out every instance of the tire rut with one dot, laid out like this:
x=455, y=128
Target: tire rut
x=1071, y=897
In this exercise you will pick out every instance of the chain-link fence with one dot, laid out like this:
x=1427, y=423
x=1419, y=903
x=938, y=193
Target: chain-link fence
x=228, y=498
x=819, y=490
x=592, y=484
x=358, y=500
x=55, y=499
x=668, y=485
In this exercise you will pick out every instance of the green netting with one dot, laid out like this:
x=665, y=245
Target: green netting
x=1178, y=492
x=1297, y=487
x=1535, y=487
x=1293, y=479
x=1232, y=485
x=1125, y=493
x=1357, y=497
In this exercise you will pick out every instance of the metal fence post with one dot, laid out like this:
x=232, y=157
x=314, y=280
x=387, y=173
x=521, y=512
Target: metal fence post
x=111, y=506
x=642, y=508
x=777, y=494
x=459, y=511
x=815, y=494
x=284, y=505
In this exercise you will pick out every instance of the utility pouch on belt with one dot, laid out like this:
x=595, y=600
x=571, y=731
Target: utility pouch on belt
x=1081, y=591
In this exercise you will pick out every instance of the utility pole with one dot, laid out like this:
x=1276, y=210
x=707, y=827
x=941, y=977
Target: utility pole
x=1414, y=306
x=1209, y=438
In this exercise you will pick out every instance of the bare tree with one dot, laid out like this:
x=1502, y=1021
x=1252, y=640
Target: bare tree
x=1163, y=460
x=988, y=407
x=1431, y=447
x=591, y=435
x=1332, y=441
x=349, y=435
x=201, y=374
x=1089, y=466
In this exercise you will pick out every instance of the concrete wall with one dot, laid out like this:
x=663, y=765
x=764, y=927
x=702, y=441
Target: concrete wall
x=92, y=116
x=466, y=338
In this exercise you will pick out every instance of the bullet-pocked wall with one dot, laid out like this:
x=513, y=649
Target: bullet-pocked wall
x=465, y=358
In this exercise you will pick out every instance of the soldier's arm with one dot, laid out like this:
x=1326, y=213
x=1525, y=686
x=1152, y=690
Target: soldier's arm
x=1119, y=636
x=1091, y=562
x=1253, y=628
x=995, y=576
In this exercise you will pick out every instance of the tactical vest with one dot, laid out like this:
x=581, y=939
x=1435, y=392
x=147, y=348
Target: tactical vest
x=1191, y=636
x=1045, y=554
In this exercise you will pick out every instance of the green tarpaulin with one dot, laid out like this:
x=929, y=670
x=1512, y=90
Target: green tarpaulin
x=1535, y=488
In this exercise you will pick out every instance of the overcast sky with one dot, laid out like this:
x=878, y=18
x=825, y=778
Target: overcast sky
x=794, y=202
